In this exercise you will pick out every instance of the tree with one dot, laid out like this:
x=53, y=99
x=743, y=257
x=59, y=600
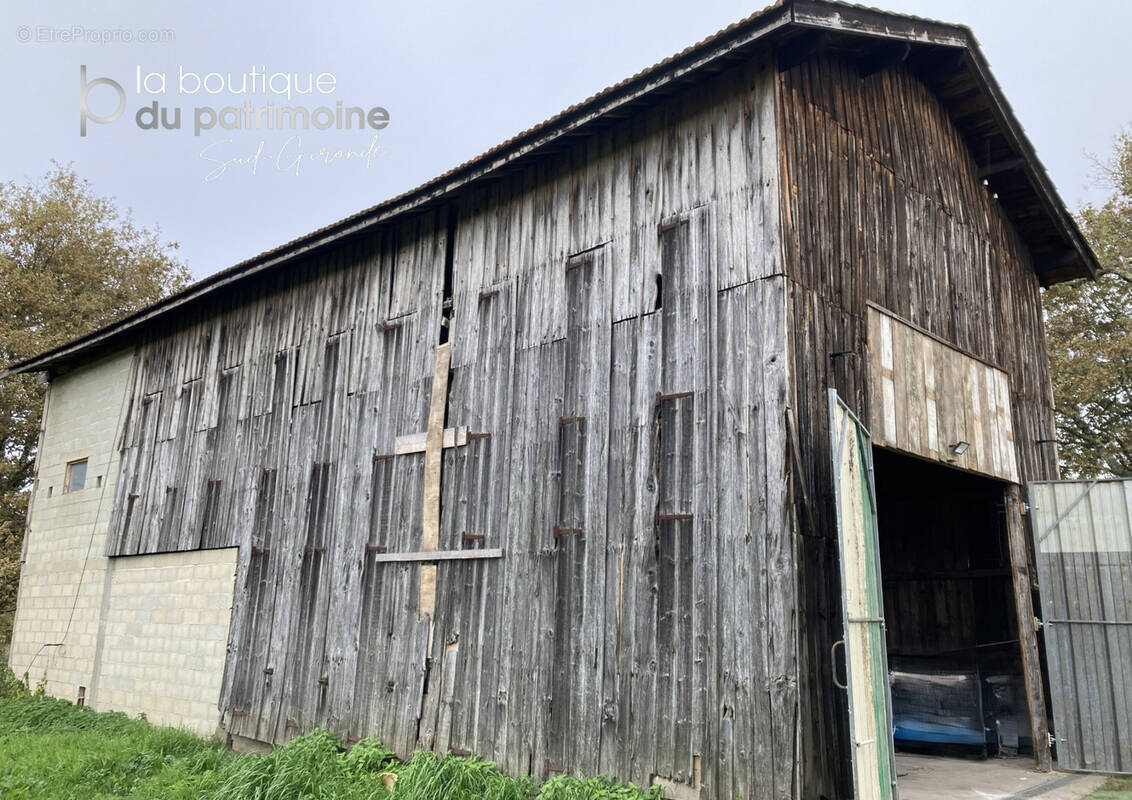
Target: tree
x=1089, y=329
x=70, y=262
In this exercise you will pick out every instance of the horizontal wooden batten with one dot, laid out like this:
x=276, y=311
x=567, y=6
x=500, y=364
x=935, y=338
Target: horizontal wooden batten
x=415, y=442
x=438, y=555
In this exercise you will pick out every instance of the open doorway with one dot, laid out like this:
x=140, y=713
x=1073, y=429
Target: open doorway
x=952, y=635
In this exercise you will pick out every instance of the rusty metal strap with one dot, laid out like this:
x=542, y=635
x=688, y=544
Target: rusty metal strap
x=581, y=260
x=560, y=531
x=661, y=398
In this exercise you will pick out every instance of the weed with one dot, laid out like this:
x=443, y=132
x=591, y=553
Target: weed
x=311, y=766
x=600, y=788
x=1117, y=787
x=427, y=776
x=53, y=750
x=11, y=687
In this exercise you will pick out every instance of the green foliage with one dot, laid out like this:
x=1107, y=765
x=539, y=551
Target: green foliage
x=429, y=777
x=312, y=766
x=1089, y=330
x=11, y=687
x=600, y=788
x=368, y=757
x=69, y=262
x=53, y=750
x=1117, y=787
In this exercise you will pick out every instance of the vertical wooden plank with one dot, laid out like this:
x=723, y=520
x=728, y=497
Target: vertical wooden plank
x=434, y=445
x=619, y=517
x=1031, y=669
x=1051, y=579
x=636, y=724
x=782, y=653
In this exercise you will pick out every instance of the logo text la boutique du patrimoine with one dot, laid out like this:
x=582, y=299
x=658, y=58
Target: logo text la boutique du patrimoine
x=283, y=87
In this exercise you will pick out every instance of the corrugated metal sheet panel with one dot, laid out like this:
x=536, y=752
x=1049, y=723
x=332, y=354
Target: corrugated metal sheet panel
x=1083, y=544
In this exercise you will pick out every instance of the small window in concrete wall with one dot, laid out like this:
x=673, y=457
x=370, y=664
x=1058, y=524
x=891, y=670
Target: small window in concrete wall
x=76, y=476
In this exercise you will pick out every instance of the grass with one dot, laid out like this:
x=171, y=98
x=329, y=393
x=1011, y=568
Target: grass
x=1115, y=788
x=53, y=750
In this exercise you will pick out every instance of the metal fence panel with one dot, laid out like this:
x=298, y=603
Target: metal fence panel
x=1083, y=545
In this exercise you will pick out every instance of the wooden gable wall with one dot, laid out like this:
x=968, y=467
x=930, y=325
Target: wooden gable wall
x=882, y=204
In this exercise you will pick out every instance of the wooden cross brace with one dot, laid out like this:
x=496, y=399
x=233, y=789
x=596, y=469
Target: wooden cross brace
x=432, y=443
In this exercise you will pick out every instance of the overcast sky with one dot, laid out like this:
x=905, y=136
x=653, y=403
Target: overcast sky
x=456, y=79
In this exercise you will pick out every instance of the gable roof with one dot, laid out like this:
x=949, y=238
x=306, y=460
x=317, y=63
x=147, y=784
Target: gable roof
x=945, y=56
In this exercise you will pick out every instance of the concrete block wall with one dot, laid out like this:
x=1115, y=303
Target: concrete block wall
x=83, y=416
x=165, y=635
x=138, y=634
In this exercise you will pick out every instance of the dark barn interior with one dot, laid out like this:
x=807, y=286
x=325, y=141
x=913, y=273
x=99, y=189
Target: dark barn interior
x=954, y=660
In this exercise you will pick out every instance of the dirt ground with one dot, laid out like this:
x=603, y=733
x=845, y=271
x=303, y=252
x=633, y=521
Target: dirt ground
x=939, y=778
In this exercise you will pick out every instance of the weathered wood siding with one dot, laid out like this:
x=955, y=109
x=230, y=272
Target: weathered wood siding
x=926, y=397
x=618, y=358
x=881, y=203
x=257, y=424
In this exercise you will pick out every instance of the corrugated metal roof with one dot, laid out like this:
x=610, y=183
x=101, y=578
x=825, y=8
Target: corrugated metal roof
x=505, y=145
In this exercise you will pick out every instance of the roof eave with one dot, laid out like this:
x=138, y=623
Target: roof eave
x=743, y=33
x=822, y=15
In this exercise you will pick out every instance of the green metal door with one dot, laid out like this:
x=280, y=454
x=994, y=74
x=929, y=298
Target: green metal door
x=866, y=658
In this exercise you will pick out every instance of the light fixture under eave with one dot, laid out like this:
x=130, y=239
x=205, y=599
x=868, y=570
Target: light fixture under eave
x=959, y=448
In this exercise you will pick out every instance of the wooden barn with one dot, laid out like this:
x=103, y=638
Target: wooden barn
x=563, y=458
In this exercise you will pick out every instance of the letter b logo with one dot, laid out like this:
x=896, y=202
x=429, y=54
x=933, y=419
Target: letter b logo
x=84, y=112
